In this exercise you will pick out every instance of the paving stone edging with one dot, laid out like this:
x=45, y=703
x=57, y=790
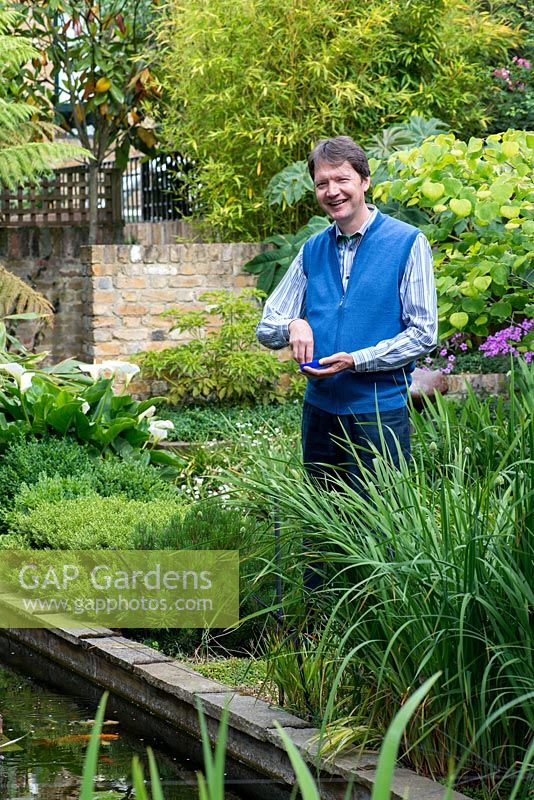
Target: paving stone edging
x=168, y=690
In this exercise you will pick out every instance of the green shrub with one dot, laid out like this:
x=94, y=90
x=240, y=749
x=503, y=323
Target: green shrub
x=132, y=479
x=480, y=203
x=209, y=525
x=86, y=523
x=24, y=461
x=39, y=470
x=51, y=489
x=227, y=365
x=14, y=541
x=251, y=86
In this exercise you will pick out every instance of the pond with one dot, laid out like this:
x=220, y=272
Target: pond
x=48, y=762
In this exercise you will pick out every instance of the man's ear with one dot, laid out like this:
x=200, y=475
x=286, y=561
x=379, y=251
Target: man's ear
x=366, y=182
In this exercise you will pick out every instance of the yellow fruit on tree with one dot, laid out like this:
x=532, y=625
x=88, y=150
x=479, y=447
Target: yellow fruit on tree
x=102, y=85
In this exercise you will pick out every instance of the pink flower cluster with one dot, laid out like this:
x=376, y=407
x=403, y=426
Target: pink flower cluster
x=504, y=74
x=503, y=342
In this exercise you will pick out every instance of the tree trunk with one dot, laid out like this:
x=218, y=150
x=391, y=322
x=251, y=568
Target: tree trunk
x=93, y=201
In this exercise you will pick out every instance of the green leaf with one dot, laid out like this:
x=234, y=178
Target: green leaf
x=487, y=211
x=501, y=309
x=388, y=752
x=265, y=280
x=499, y=274
x=459, y=319
x=155, y=783
x=62, y=418
x=462, y=208
x=501, y=192
x=453, y=186
x=91, y=756
x=482, y=282
x=473, y=305
x=115, y=429
x=306, y=784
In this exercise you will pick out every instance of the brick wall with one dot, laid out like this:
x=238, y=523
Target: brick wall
x=108, y=297
x=132, y=284
x=49, y=260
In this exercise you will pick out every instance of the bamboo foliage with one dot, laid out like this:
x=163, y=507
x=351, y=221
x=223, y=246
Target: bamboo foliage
x=252, y=84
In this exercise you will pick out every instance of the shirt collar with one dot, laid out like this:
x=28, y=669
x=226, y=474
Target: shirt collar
x=360, y=232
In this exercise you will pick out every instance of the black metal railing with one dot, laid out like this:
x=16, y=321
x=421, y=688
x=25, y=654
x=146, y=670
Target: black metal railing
x=156, y=190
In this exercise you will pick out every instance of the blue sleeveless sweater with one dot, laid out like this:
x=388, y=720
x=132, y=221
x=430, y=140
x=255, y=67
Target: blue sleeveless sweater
x=368, y=312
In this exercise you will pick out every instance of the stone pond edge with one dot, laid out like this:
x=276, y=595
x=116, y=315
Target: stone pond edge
x=168, y=690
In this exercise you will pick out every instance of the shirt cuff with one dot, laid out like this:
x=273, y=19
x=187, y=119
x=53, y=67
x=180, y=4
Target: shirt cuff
x=365, y=360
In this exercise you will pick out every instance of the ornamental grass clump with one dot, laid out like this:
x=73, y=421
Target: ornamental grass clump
x=432, y=572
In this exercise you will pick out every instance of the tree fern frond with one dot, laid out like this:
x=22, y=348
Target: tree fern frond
x=22, y=130
x=21, y=163
x=15, y=51
x=9, y=17
x=17, y=297
x=13, y=113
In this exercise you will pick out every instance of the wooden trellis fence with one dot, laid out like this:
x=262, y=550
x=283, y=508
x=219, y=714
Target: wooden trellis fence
x=62, y=199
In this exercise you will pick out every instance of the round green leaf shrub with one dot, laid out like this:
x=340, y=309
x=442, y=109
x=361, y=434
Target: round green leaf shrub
x=479, y=200
x=24, y=461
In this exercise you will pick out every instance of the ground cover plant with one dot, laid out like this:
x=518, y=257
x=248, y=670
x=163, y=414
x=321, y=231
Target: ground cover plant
x=432, y=573
x=210, y=423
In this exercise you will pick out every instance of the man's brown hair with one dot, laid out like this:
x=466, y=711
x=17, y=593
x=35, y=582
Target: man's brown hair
x=337, y=150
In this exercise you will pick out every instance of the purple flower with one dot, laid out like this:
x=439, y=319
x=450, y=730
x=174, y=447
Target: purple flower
x=502, y=342
x=463, y=347
x=443, y=352
x=428, y=360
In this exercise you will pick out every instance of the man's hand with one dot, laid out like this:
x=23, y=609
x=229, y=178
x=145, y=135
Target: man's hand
x=301, y=340
x=331, y=365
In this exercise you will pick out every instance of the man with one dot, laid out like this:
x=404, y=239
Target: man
x=360, y=298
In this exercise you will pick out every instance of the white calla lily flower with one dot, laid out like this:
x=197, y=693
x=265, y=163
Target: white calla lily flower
x=159, y=429
x=26, y=381
x=92, y=369
x=14, y=369
x=148, y=412
x=85, y=407
x=111, y=369
x=162, y=423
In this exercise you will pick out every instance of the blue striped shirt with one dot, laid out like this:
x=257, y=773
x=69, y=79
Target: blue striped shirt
x=417, y=294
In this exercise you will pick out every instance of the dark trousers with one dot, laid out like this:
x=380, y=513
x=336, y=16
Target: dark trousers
x=326, y=452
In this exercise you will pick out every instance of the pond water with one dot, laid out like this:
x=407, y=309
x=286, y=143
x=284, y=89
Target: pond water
x=48, y=762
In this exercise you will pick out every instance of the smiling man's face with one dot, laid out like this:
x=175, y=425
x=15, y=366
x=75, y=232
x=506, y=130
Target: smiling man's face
x=340, y=191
